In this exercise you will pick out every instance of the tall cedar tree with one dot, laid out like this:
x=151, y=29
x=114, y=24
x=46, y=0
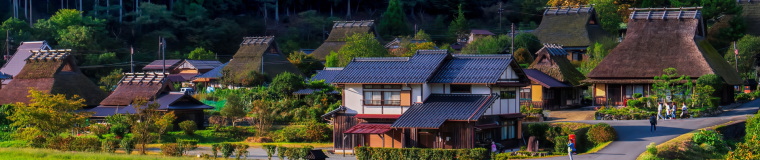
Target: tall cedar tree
x=459, y=26
x=393, y=22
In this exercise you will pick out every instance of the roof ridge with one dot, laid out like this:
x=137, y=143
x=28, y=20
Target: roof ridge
x=666, y=13
x=568, y=10
x=370, y=59
x=349, y=24
x=49, y=55
x=257, y=40
x=333, y=68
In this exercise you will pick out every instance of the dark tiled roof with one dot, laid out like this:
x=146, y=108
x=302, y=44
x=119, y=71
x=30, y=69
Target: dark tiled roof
x=181, y=77
x=200, y=64
x=417, y=69
x=178, y=100
x=555, y=49
x=472, y=69
x=157, y=64
x=439, y=108
x=328, y=74
x=214, y=73
x=481, y=32
x=543, y=79
x=105, y=111
x=335, y=111
x=308, y=91
x=367, y=128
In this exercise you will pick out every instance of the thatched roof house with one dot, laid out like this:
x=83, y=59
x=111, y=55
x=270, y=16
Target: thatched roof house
x=570, y=26
x=17, y=61
x=658, y=39
x=259, y=54
x=156, y=88
x=555, y=82
x=338, y=34
x=551, y=61
x=52, y=71
x=751, y=14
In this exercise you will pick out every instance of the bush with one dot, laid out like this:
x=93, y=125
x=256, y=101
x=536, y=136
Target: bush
x=85, y=144
x=538, y=130
x=531, y=110
x=652, y=148
x=637, y=95
x=215, y=149
x=270, y=150
x=560, y=144
x=227, y=149
x=188, y=144
x=281, y=152
x=635, y=103
x=367, y=153
x=99, y=130
x=743, y=97
x=110, y=145
x=188, y=126
x=242, y=149
x=601, y=132
x=712, y=139
x=128, y=144
x=171, y=149
x=119, y=130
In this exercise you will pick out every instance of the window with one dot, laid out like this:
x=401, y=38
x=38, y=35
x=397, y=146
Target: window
x=525, y=93
x=508, y=95
x=460, y=88
x=632, y=89
x=382, y=86
x=377, y=98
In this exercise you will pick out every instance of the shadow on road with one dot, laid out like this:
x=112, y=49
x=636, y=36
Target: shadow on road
x=638, y=133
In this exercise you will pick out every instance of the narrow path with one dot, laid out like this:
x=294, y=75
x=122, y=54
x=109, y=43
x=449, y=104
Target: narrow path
x=634, y=135
x=579, y=114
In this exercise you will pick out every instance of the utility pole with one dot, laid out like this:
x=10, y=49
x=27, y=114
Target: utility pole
x=512, y=34
x=131, y=59
x=162, y=49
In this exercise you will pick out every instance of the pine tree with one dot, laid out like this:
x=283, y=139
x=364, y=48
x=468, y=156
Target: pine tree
x=394, y=20
x=459, y=26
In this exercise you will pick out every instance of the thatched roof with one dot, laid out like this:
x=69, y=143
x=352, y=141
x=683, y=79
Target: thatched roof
x=138, y=85
x=338, y=34
x=660, y=40
x=552, y=60
x=52, y=71
x=569, y=26
x=18, y=60
x=258, y=52
x=751, y=14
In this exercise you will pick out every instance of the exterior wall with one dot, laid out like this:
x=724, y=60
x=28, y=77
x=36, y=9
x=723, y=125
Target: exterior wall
x=480, y=89
x=416, y=92
x=353, y=96
x=509, y=74
x=188, y=71
x=391, y=139
x=537, y=92
x=437, y=88
x=505, y=106
x=341, y=123
x=426, y=90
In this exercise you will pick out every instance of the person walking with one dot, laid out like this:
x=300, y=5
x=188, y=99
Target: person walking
x=667, y=111
x=684, y=110
x=673, y=109
x=570, y=148
x=493, y=148
x=659, y=111
x=653, y=122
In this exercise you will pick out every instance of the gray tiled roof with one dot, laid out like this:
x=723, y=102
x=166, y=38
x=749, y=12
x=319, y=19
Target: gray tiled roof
x=472, y=69
x=328, y=74
x=214, y=73
x=203, y=64
x=17, y=61
x=170, y=101
x=417, y=69
x=157, y=64
x=439, y=108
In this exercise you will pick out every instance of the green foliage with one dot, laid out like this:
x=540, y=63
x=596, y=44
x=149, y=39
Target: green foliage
x=421, y=35
x=748, y=46
x=531, y=110
x=560, y=144
x=393, y=22
x=227, y=149
x=601, y=132
x=367, y=153
x=201, y=53
x=523, y=56
x=487, y=45
x=89, y=144
x=459, y=27
x=742, y=97
x=215, y=148
x=50, y=114
x=596, y=53
x=609, y=17
x=308, y=132
x=332, y=60
x=281, y=152
x=628, y=113
x=241, y=149
x=528, y=41
x=669, y=85
x=111, y=81
x=286, y=83
x=110, y=145
x=538, y=130
x=128, y=144
x=72, y=30
x=307, y=64
x=714, y=8
x=652, y=148
x=711, y=138
x=188, y=127
x=357, y=45
x=119, y=124
x=234, y=108
x=270, y=149
x=171, y=149
x=635, y=103
x=99, y=130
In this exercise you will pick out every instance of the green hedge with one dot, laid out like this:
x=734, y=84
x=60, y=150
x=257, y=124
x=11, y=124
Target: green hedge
x=370, y=153
x=601, y=132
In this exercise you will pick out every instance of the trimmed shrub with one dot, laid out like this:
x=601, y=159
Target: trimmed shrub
x=281, y=152
x=119, y=130
x=188, y=144
x=227, y=149
x=652, y=148
x=99, y=130
x=538, y=130
x=128, y=144
x=85, y=144
x=635, y=103
x=560, y=144
x=601, y=132
x=369, y=153
x=188, y=126
x=711, y=139
x=270, y=150
x=242, y=149
x=743, y=97
x=171, y=149
x=110, y=145
x=215, y=149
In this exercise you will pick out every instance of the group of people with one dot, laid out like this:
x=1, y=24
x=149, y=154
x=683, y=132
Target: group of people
x=670, y=113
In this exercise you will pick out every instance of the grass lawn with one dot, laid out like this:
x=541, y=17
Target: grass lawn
x=42, y=154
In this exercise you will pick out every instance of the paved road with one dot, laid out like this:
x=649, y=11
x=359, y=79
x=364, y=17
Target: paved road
x=634, y=135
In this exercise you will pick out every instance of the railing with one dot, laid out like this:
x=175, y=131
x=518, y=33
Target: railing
x=382, y=102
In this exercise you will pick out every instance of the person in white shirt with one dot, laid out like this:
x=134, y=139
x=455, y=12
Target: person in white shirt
x=667, y=111
x=659, y=111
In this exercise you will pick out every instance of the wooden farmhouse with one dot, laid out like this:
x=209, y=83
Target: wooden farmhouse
x=555, y=82
x=182, y=70
x=476, y=34
x=658, y=39
x=155, y=88
x=573, y=27
x=338, y=34
x=431, y=100
x=211, y=78
x=751, y=14
x=51, y=71
x=17, y=61
x=259, y=54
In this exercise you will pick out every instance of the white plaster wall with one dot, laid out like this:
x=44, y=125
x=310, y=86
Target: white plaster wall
x=437, y=88
x=480, y=89
x=354, y=94
x=416, y=92
x=509, y=74
x=352, y=98
x=505, y=106
x=426, y=90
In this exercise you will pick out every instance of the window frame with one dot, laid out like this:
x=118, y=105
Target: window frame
x=383, y=100
x=512, y=93
x=469, y=88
